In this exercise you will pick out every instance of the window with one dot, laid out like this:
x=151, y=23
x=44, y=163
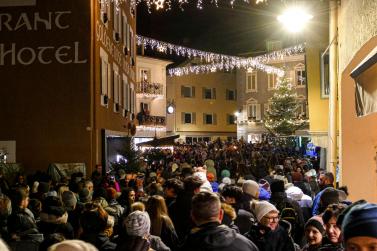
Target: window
x=271, y=78
x=300, y=75
x=188, y=118
x=253, y=111
x=251, y=81
x=116, y=87
x=195, y=139
x=117, y=24
x=231, y=119
x=209, y=93
x=187, y=91
x=145, y=75
x=125, y=94
x=325, y=75
x=103, y=71
x=105, y=11
x=132, y=98
x=209, y=119
x=231, y=94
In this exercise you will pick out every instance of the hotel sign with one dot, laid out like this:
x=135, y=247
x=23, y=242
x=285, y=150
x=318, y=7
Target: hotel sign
x=28, y=24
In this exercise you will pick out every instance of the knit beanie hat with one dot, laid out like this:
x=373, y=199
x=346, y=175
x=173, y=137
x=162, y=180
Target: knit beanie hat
x=225, y=173
x=72, y=245
x=261, y=208
x=53, y=206
x=277, y=186
x=226, y=181
x=84, y=195
x=138, y=224
x=251, y=188
x=69, y=199
x=361, y=220
x=317, y=222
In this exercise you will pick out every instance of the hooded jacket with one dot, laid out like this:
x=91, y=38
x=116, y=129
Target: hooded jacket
x=213, y=236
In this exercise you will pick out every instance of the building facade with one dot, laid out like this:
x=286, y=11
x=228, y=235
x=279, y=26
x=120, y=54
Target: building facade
x=255, y=89
x=68, y=79
x=150, y=98
x=205, y=105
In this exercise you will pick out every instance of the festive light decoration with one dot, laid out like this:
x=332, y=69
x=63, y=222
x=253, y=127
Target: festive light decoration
x=160, y=4
x=282, y=117
x=216, y=61
x=242, y=63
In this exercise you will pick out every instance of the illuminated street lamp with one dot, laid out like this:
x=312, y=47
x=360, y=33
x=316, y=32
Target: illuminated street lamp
x=294, y=19
x=170, y=109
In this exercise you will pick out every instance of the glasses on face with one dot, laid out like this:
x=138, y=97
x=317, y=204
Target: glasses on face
x=272, y=219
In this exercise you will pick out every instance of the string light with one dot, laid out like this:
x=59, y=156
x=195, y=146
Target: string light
x=216, y=61
x=160, y=4
x=242, y=63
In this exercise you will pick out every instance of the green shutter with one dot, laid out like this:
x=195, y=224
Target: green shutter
x=193, y=118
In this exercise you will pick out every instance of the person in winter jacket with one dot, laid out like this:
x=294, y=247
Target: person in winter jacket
x=333, y=239
x=138, y=226
x=314, y=233
x=267, y=233
x=209, y=234
x=94, y=223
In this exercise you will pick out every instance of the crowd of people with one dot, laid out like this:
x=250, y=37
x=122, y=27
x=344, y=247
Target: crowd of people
x=206, y=196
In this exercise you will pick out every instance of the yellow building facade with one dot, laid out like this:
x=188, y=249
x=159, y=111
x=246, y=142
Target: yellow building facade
x=205, y=106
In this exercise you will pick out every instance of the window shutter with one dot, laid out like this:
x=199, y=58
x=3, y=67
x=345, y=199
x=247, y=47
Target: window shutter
x=193, y=92
x=258, y=113
x=214, y=93
x=204, y=119
x=183, y=117
x=226, y=94
x=245, y=112
x=235, y=94
x=214, y=119
x=182, y=91
x=203, y=93
x=193, y=118
x=109, y=80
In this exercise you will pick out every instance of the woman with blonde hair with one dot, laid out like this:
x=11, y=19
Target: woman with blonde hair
x=161, y=224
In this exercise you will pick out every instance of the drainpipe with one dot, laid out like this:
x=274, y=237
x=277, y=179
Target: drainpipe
x=332, y=135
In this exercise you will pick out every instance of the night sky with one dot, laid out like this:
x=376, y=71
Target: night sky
x=222, y=29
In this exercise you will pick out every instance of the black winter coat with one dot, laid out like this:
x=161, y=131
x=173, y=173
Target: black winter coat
x=267, y=240
x=213, y=236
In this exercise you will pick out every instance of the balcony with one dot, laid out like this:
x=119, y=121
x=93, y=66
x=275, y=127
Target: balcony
x=151, y=121
x=149, y=90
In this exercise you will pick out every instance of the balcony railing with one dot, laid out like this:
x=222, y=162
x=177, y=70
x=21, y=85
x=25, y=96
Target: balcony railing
x=147, y=89
x=152, y=121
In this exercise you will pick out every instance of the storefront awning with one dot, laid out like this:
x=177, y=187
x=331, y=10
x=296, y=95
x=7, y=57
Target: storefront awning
x=159, y=142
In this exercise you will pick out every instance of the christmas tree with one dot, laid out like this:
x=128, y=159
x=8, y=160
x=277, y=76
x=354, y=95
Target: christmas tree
x=282, y=116
x=130, y=162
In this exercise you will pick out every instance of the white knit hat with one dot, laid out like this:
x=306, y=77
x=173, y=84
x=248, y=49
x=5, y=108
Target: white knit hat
x=251, y=187
x=72, y=245
x=138, y=223
x=261, y=208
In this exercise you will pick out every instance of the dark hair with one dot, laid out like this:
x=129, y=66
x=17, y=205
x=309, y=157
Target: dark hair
x=232, y=191
x=205, y=206
x=333, y=210
x=174, y=183
x=17, y=195
x=94, y=218
x=192, y=183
